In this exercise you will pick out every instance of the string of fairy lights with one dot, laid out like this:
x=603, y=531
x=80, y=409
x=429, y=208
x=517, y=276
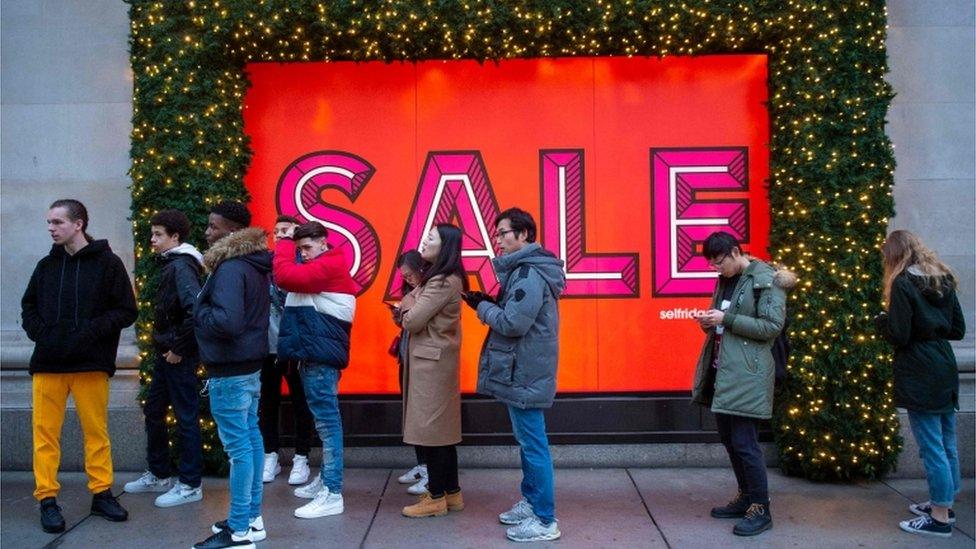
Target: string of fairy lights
x=831, y=165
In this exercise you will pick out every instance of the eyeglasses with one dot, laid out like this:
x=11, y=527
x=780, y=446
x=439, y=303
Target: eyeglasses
x=718, y=263
x=501, y=234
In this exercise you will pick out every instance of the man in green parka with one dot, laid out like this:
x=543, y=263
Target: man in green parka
x=736, y=371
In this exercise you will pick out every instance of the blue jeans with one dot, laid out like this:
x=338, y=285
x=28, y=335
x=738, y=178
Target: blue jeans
x=176, y=385
x=322, y=394
x=936, y=437
x=538, y=484
x=234, y=406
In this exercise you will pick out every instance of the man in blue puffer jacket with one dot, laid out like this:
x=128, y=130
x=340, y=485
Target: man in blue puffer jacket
x=518, y=362
x=231, y=327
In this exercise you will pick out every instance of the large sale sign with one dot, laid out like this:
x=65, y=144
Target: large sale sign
x=626, y=164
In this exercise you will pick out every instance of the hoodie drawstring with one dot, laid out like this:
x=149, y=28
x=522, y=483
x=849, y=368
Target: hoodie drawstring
x=77, y=283
x=64, y=263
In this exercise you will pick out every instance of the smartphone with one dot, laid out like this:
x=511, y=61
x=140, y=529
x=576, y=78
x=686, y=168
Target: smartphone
x=392, y=306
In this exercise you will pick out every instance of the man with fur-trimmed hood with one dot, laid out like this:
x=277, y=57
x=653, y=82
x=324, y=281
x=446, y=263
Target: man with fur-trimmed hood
x=736, y=370
x=231, y=326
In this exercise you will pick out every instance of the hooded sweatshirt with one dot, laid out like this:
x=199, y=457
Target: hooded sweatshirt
x=75, y=308
x=179, y=284
x=521, y=353
x=231, y=311
x=920, y=321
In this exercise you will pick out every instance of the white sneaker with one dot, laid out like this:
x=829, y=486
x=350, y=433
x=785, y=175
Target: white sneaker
x=419, y=488
x=519, y=512
x=256, y=531
x=310, y=490
x=299, y=470
x=413, y=475
x=532, y=529
x=271, y=467
x=148, y=482
x=325, y=504
x=179, y=494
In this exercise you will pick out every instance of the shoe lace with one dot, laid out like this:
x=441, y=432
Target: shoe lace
x=322, y=495
x=522, y=508
x=755, y=510
x=737, y=499
x=920, y=522
x=148, y=478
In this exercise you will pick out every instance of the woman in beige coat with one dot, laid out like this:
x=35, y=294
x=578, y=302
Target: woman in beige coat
x=431, y=319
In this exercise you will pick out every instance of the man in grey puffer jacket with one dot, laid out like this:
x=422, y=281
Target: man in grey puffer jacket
x=519, y=359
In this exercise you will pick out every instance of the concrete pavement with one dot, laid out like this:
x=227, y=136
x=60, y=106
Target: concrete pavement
x=630, y=507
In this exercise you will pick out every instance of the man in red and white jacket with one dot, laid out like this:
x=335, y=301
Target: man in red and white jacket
x=315, y=330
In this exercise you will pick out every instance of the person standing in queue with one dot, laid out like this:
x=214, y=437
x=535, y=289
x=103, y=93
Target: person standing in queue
x=431, y=320
x=77, y=302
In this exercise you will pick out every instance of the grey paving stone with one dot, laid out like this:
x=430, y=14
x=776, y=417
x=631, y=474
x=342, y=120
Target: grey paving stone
x=595, y=508
x=21, y=525
x=916, y=491
x=805, y=514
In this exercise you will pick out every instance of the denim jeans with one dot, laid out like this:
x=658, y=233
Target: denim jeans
x=740, y=436
x=234, y=406
x=538, y=484
x=176, y=385
x=936, y=437
x=322, y=393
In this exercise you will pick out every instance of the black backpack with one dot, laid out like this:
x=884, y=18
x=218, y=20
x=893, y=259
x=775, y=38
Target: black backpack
x=781, y=345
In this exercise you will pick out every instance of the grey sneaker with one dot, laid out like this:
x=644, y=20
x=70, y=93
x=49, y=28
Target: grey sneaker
x=310, y=490
x=519, y=512
x=180, y=494
x=148, y=482
x=532, y=529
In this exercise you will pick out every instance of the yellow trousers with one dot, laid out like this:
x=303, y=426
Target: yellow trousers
x=90, y=391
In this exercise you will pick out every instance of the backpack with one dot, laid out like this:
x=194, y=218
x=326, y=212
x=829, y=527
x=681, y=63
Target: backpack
x=781, y=345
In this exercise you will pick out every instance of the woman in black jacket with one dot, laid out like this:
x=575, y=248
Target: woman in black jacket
x=923, y=314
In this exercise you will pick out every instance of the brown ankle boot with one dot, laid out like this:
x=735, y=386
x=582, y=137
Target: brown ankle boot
x=454, y=501
x=427, y=506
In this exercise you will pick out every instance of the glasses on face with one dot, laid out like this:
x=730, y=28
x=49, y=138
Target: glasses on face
x=717, y=264
x=501, y=234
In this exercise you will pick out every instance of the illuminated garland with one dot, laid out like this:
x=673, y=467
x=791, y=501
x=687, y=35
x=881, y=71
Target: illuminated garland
x=831, y=165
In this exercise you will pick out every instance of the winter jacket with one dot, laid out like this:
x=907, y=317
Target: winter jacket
x=743, y=383
x=919, y=322
x=521, y=352
x=319, y=309
x=179, y=284
x=230, y=318
x=75, y=308
x=432, y=376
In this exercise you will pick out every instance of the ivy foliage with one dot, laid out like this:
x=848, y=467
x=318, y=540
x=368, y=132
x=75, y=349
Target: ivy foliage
x=831, y=165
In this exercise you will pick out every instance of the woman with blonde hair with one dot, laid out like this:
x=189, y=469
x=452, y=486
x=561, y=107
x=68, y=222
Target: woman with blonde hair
x=923, y=313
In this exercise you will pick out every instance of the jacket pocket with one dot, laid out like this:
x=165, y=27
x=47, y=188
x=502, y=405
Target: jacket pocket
x=427, y=351
x=501, y=362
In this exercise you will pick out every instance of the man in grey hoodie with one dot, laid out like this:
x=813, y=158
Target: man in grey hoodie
x=518, y=362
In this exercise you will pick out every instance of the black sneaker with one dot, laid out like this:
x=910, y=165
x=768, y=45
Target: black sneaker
x=927, y=526
x=925, y=509
x=257, y=531
x=733, y=509
x=756, y=521
x=225, y=538
x=51, y=520
x=105, y=505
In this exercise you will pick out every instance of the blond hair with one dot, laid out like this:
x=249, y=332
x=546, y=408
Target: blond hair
x=903, y=249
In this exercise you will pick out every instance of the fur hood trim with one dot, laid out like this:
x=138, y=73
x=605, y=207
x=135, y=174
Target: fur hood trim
x=236, y=244
x=784, y=278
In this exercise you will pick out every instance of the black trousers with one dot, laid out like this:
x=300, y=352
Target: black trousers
x=270, y=405
x=176, y=385
x=442, y=469
x=740, y=435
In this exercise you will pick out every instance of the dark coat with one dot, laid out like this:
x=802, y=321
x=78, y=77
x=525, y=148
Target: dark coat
x=521, y=352
x=179, y=284
x=231, y=312
x=919, y=323
x=75, y=308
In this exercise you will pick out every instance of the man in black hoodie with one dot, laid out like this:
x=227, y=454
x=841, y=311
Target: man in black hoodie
x=174, y=375
x=231, y=327
x=77, y=302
